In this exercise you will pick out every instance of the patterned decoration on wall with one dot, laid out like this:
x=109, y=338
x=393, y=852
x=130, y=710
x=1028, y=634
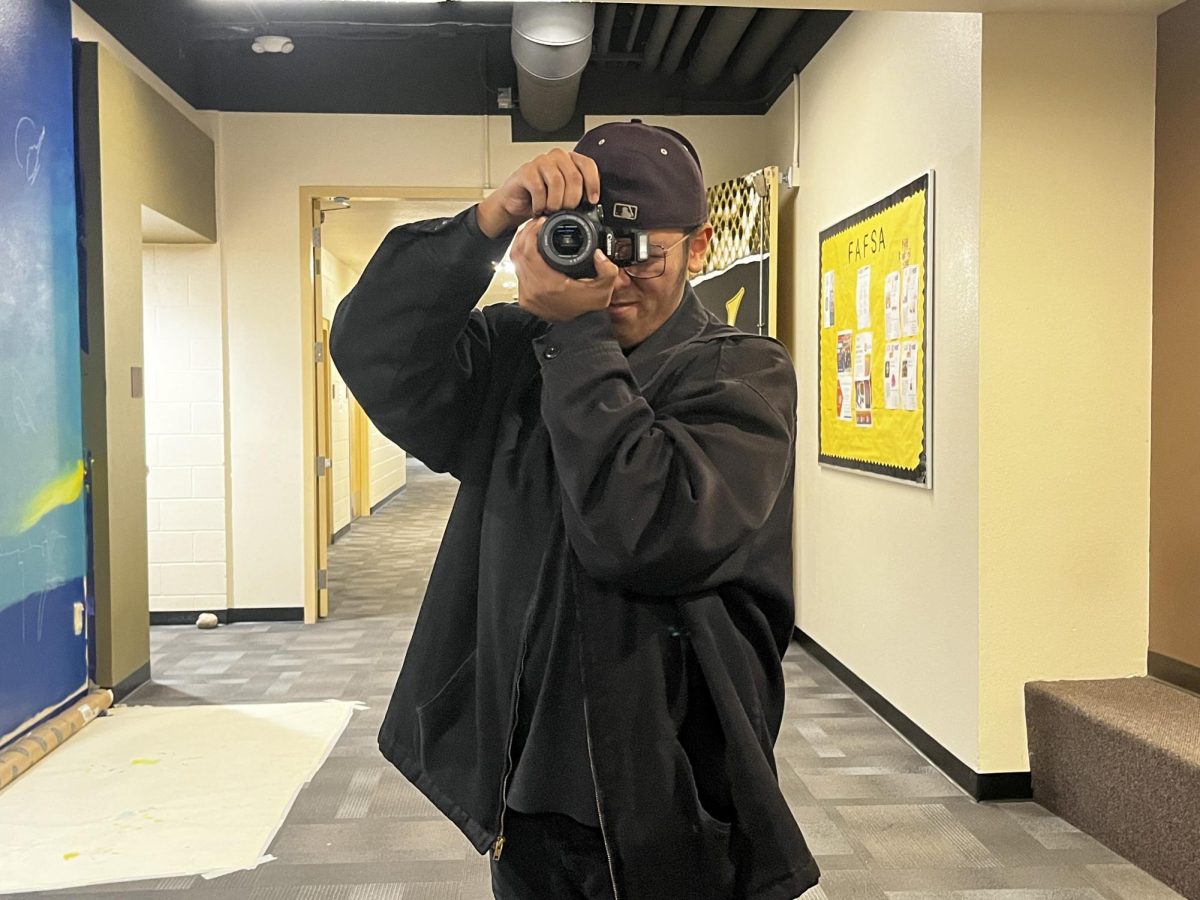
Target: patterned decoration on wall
x=739, y=276
x=43, y=549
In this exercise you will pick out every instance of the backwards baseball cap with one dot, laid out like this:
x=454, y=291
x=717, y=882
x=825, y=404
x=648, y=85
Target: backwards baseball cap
x=649, y=176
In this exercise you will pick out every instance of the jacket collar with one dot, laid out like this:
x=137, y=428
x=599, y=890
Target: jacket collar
x=689, y=321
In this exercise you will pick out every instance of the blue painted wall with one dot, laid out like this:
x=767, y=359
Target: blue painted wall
x=42, y=524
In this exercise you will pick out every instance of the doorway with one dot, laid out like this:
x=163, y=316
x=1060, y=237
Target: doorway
x=356, y=469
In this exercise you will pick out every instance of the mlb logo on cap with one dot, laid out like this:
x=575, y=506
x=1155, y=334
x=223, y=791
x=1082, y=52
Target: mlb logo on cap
x=625, y=211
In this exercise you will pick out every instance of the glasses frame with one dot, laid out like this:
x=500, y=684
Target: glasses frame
x=663, y=258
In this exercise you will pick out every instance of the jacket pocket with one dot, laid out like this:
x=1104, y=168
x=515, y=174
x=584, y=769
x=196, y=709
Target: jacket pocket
x=447, y=730
x=711, y=868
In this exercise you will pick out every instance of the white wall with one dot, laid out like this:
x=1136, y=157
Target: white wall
x=263, y=161
x=185, y=427
x=888, y=576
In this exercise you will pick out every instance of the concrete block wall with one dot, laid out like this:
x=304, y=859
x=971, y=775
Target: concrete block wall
x=185, y=427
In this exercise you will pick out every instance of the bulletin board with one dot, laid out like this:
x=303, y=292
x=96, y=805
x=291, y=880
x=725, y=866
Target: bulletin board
x=874, y=319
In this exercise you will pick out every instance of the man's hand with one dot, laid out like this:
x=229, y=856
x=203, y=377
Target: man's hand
x=549, y=294
x=547, y=183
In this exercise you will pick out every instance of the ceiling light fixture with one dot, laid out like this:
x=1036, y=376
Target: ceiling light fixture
x=272, y=43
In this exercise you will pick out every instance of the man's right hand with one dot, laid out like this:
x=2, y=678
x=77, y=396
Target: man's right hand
x=547, y=183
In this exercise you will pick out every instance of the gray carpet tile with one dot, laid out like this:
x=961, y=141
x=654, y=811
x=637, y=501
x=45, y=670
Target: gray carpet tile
x=884, y=824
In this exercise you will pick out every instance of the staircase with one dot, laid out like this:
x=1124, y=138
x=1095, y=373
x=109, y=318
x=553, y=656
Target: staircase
x=1120, y=760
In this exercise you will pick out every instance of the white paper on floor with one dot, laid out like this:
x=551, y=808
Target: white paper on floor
x=159, y=792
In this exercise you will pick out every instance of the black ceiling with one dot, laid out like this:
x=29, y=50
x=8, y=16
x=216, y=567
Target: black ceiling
x=447, y=58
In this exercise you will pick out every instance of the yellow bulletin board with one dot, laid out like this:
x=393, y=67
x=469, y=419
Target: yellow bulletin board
x=874, y=297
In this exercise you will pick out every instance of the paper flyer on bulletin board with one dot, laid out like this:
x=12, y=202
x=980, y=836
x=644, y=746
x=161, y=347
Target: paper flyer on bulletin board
x=874, y=320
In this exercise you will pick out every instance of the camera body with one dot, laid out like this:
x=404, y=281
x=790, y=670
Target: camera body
x=570, y=237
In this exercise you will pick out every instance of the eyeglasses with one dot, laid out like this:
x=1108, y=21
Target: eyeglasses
x=656, y=264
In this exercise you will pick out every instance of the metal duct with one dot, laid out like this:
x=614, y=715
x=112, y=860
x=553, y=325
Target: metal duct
x=720, y=38
x=762, y=40
x=631, y=38
x=658, y=36
x=551, y=44
x=680, y=38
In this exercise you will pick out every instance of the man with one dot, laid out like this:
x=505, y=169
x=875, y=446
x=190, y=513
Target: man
x=593, y=688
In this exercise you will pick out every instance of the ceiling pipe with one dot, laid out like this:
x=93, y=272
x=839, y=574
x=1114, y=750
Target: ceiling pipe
x=608, y=12
x=633, y=29
x=680, y=38
x=663, y=23
x=551, y=44
x=720, y=38
x=767, y=32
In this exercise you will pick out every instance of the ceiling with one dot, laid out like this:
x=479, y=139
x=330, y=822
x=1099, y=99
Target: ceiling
x=454, y=58
x=353, y=234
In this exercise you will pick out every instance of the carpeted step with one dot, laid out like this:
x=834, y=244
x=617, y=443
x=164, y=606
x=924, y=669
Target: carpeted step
x=1120, y=759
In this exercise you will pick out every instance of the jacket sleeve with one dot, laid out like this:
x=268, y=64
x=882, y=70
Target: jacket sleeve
x=412, y=348
x=666, y=501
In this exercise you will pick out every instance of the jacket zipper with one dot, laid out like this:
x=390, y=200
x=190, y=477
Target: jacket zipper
x=587, y=730
x=498, y=845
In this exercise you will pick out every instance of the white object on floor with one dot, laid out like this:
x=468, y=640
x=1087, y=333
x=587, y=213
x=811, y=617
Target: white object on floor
x=207, y=620
x=159, y=792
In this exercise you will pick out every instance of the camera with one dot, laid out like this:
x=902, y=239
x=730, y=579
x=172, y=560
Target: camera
x=569, y=239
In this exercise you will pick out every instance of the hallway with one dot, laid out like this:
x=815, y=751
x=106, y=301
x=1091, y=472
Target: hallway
x=882, y=822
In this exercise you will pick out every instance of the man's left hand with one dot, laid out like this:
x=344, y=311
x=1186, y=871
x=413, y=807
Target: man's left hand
x=549, y=294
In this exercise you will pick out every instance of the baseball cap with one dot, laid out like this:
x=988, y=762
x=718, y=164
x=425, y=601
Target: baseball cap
x=650, y=176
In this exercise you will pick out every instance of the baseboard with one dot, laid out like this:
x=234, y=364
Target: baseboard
x=131, y=684
x=341, y=532
x=983, y=787
x=230, y=616
x=1174, y=671
x=389, y=498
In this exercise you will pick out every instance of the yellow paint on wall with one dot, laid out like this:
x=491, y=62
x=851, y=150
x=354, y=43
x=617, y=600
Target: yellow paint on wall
x=733, y=305
x=62, y=491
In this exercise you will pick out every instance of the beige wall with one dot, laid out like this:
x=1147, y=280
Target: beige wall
x=144, y=153
x=1175, y=478
x=1028, y=559
x=1067, y=187
x=903, y=616
x=389, y=470
x=264, y=160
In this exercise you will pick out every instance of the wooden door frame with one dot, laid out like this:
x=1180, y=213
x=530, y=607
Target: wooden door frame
x=310, y=198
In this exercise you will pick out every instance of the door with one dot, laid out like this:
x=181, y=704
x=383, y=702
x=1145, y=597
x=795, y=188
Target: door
x=360, y=462
x=324, y=442
x=43, y=529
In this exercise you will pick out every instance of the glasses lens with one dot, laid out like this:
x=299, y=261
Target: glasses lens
x=651, y=268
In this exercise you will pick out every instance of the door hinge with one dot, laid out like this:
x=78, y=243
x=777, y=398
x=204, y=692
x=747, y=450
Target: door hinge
x=324, y=464
x=316, y=235
x=322, y=579
x=318, y=352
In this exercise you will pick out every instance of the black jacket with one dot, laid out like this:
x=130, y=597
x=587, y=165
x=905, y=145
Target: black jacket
x=674, y=473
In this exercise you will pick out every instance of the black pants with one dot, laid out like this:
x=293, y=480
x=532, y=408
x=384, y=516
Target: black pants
x=551, y=857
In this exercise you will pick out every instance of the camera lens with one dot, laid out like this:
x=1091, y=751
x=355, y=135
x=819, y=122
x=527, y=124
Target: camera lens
x=567, y=239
